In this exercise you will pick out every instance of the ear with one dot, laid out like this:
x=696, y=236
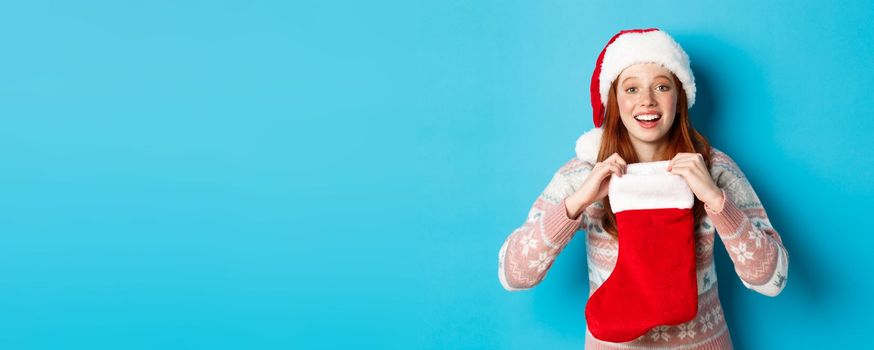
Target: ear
x=588, y=145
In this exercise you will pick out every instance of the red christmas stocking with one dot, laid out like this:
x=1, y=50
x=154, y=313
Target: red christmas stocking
x=654, y=281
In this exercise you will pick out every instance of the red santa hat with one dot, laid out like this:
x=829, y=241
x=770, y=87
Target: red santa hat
x=626, y=48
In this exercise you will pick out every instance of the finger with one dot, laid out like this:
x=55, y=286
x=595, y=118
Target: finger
x=617, y=158
x=687, y=156
x=674, y=160
x=604, y=166
x=684, y=161
x=613, y=168
x=701, y=162
x=687, y=168
x=681, y=168
x=622, y=162
x=677, y=158
x=693, y=161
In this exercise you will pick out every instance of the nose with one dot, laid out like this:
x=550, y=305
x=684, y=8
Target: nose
x=646, y=98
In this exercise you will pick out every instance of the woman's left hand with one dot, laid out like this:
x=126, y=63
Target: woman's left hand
x=692, y=168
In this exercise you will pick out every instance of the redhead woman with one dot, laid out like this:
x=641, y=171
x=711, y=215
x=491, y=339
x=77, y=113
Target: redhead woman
x=645, y=183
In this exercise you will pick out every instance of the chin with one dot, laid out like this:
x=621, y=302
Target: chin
x=653, y=136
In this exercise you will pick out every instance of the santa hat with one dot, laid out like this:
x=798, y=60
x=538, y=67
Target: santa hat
x=626, y=48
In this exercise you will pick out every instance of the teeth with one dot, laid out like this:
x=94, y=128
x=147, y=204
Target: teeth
x=647, y=117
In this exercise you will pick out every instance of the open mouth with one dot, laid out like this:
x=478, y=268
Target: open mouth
x=648, y=117
x=648, y=120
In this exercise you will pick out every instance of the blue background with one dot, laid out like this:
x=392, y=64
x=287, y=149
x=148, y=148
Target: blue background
x=323, y=174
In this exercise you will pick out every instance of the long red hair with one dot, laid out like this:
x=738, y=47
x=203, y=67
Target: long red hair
x=682, y=137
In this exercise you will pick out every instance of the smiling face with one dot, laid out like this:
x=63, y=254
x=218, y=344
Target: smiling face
x=647, y=97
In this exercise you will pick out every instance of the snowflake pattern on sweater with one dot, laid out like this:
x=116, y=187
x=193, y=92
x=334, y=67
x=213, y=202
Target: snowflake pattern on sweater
x=754, y=246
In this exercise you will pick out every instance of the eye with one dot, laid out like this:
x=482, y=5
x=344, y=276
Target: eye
x=666, y=88
x=628, y=90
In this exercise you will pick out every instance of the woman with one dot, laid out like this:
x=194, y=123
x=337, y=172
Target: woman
x=642, y=88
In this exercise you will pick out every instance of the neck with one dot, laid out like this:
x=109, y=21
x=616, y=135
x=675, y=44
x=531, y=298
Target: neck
x=647, y=151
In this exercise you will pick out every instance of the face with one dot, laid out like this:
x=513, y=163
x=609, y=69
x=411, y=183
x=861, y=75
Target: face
x=647, y=99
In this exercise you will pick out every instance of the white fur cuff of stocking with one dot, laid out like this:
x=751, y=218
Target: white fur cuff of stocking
x=649, y=186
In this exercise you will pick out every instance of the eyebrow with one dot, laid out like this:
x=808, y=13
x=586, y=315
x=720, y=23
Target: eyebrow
x=658, y=76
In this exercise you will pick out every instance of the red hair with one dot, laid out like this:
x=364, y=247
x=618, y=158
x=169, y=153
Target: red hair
x=682, y=137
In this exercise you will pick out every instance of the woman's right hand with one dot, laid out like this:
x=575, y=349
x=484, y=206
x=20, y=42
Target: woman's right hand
x=596, y=185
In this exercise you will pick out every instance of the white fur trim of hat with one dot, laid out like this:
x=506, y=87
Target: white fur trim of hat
x=656, y=47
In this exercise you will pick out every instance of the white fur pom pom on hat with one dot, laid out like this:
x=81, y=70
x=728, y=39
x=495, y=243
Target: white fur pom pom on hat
x=588, y=145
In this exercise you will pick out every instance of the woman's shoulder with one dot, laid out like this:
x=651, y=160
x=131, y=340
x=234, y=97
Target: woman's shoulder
x=723, y=168
x=575, y=166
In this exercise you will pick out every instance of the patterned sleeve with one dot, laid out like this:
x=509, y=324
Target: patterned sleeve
x=529, y=251
x=760, y=259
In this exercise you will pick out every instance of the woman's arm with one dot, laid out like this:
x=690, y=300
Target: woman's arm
x=760, y=259
x=527, y=254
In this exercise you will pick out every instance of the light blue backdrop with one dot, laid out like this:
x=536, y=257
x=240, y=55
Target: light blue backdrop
x=322, y=174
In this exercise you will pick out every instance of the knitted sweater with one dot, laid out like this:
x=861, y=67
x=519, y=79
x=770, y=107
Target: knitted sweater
x=755, y=248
